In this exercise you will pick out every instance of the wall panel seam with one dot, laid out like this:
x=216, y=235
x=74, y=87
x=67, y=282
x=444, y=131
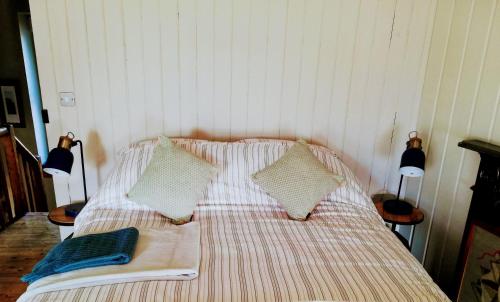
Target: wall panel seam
x=53, y=62
x=388, y=169
x=433, y=119
x=450, y=121
x=462, y=152
x=283, y=67
x=106, y=53
x=350, y=81
x=162, y=89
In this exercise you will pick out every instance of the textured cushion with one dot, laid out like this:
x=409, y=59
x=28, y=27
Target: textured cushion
x=298, y=180
x=173, y=181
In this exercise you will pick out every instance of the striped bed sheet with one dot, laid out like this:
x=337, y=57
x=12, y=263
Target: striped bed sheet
x=250, y=250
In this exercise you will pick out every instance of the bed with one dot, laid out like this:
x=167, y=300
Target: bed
x=250, y=250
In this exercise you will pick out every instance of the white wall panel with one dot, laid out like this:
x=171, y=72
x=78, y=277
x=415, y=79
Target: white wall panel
x=134, y=60
x=118, y=74
x=327, y=60
x=205, y=66
x=257, y=59
x=187, y=61
x=274, y=73
x=333, y=72
x=223, y=35
x=169, y=38
x=292, y=68
x=152, y=67
x=459, y=101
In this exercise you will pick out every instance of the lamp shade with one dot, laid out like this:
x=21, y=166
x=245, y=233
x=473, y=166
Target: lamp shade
x=59, y=162
x=412, y=162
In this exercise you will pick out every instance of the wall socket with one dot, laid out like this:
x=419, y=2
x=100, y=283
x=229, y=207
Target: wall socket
x=67, y=99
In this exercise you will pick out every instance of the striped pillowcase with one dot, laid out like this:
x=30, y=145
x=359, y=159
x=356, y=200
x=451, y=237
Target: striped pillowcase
x=237, y=161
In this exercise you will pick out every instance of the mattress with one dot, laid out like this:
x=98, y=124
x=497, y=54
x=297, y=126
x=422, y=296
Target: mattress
x=250, y=250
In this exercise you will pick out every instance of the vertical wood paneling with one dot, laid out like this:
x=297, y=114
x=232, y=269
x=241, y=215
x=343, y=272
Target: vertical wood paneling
x=275, y=54
x=225, y=69
x=445, y=110
x=61, y=49
x=205, y=66
x=342, y=74
x=395, y=88
x=152, y=67
x=292, y=68
x=458, y=102
x=357, y=98
x=119, y=98
x=258, y=43
x=223, y=25
x=132, y=16
x=240, y=67
x=489, y=85
x=98, y=59
x=410, y=86
x=433, y=80
x=335, y=72
x=82, y=87
x=373, y=95
x=314, y=14
x=60, y=45
x=170, y=66
x=391, y=128
x=327, y=60
x=471, y=73
x=187, y=58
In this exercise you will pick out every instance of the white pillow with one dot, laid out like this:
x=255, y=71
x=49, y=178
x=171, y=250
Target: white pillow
x=232, y=185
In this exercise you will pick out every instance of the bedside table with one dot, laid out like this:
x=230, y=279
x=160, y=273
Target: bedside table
x=57, y=216
x=65, y=215
x=414, y=218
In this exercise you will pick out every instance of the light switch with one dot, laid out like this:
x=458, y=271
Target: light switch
x=67, y=99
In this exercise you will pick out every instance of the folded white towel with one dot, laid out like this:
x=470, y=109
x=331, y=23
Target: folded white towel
x=161, y=254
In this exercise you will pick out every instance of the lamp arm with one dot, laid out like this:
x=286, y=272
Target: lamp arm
x=83, y=168
x=399, y=189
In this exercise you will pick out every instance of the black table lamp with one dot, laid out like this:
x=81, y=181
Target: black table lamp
x=412, y=165
x=59, y=163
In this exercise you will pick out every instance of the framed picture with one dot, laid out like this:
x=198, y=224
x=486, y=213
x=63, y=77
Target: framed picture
x=481, y=277
x=11, y=110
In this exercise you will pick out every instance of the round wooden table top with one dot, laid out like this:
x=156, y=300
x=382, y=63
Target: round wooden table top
x=57, y=216
x=415, y=217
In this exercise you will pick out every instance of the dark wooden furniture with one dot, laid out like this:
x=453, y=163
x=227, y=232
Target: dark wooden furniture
x=484, y=208
x=57, y=216
x=414, y=218
x=21, y=179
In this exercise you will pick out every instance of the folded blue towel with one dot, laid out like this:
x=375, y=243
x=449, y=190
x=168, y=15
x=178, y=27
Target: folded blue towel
x=86, y=251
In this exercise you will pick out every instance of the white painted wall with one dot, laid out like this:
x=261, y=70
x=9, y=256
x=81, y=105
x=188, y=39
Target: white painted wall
x=459, y=101
x=338, y=73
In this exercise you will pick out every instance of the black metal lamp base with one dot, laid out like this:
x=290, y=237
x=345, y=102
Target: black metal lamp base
x=398, y=207
x=72, y=210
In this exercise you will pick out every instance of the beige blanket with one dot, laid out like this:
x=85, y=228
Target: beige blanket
x=250, y=250
x=172, y=253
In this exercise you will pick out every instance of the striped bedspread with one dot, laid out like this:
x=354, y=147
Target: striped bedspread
x=250, y=250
